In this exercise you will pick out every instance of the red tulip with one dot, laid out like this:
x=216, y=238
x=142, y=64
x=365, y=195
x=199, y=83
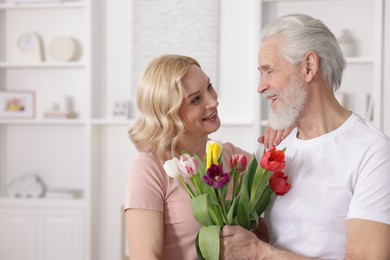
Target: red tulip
x=273, y=160
x=278, y=183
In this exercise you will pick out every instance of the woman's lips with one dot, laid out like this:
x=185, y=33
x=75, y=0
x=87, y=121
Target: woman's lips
x=210, y=116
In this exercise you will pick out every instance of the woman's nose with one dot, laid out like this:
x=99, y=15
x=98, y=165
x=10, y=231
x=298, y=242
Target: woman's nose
x=212, y=101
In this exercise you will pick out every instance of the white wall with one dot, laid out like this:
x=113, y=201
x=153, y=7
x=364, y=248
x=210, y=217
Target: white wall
x=237, y=95
x=239, y=108
x=117, y=150
x=239, y=36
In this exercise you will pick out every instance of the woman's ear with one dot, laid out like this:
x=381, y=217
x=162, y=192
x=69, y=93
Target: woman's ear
x=311, y=65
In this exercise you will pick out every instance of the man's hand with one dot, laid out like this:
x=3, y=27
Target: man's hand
x=239, y=243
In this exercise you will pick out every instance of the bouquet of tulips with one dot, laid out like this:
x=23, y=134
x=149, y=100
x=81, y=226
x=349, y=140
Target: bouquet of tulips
x=207, y=184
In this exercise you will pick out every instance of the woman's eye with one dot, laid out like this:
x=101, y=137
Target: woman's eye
x=210, y=87
x=195, y=100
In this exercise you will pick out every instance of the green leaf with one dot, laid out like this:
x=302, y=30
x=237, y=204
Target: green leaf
x=257, y=180
x=243, y=209
x=209, y=242
x=264, y=201
x=254, y=220
x=250, y=174
x=198, y=252
x=199, y=206
x=231, y=211
x=235, y=179
x=215, y=212
x=243, y=213
x=261, y=184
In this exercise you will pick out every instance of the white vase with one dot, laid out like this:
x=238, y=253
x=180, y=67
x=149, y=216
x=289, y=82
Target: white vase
x=347, y=43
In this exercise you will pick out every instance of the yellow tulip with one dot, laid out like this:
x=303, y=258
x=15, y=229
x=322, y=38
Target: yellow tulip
x=212, y=153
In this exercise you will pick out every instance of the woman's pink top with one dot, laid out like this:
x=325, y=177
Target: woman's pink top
x=150, y=188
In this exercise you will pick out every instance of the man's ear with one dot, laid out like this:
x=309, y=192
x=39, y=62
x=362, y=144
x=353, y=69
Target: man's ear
x=310, y=65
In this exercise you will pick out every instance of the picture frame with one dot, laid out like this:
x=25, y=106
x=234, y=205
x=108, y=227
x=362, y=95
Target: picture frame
x=19, y=104
x=121, y=109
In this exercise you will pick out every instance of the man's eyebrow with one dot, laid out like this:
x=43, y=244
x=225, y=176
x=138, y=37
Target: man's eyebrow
x=264, y=67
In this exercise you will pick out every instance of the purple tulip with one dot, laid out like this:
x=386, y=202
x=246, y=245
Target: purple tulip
x=216, y=177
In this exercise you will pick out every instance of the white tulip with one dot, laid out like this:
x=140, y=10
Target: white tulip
x=171, y=168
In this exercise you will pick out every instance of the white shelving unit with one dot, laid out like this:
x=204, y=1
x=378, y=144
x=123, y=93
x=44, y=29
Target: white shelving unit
x=362, y=82
x=58, y=150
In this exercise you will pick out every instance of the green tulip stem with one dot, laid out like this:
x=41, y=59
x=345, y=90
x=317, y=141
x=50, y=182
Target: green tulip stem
x=222, y=202
x=189, y=190
x=195, y=182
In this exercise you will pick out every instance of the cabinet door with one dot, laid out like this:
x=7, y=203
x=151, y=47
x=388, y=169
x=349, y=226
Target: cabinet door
x=18, y=234
x=60, y=234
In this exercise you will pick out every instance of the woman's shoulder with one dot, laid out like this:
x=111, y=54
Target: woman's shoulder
x=143, y=161
x=230, y=148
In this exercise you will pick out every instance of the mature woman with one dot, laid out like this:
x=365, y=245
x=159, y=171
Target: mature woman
x=177, y=106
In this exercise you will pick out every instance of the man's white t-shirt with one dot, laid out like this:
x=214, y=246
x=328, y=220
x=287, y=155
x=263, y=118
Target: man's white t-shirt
x=341, y=175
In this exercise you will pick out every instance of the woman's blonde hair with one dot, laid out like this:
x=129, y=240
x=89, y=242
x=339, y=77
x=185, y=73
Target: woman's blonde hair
x=158, y=126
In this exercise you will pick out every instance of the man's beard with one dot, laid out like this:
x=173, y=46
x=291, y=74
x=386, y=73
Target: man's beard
x=291, y=101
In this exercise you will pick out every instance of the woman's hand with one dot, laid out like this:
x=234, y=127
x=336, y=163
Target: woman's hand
x=273, y=137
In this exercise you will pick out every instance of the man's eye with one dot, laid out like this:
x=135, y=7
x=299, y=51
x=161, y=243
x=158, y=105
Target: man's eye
x=210, y=86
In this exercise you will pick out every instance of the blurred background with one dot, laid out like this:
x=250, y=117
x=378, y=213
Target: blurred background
x=68, y=73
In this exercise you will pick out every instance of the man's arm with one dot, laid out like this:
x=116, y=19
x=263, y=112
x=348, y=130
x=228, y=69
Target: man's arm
x=239, y=243
x=367, y=240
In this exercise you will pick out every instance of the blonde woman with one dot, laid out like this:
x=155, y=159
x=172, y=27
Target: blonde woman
x=178, y=109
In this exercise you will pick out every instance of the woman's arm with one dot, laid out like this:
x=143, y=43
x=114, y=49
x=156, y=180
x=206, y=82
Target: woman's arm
x=145, y=233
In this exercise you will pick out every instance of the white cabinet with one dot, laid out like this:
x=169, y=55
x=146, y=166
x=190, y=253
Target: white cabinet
x=41, y=230
x=18, y=233
x=361, y=86
x=60, y=234
x=58, y=149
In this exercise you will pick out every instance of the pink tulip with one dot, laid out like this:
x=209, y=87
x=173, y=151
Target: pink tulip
x=240, y=160
x=188, y=165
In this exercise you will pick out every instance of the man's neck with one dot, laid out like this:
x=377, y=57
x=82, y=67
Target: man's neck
x=323, y=114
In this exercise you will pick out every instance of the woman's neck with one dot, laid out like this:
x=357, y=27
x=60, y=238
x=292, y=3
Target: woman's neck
x=192, y=146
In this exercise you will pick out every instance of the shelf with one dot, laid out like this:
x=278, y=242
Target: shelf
x=42, y=122
x=34, y=6
x=8, y=201
x=118, y=122
x=224, y=121
x=43, y=65
x=311, y=1
x=359, y=60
